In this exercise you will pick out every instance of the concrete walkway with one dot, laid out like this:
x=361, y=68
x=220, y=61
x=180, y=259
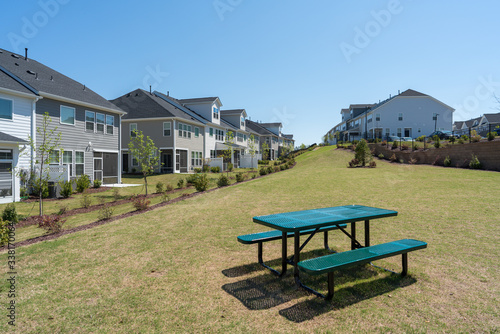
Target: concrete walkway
x=121, y=185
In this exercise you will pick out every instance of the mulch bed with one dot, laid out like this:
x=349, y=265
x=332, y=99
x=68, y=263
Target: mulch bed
x=32, y=220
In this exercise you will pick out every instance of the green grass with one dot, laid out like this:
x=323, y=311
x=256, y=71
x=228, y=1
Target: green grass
x=181, y=269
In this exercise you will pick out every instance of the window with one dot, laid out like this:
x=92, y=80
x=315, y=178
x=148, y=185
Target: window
x=212, y=154
x=166, y=129
x=79, y=163
x=245, y=137
x=54, y=157
x=242, y=119
x=219, y=135
x=377, y=117
x=211, y=132
x=5, y=109
x=189, y=131
x=239, y=137
x=133, y=129
x=216, y=112
x=400, y=116
x=68, y=160
x=399, y=132
x=196, y=158
x=5, y=173
x=180, y=130
x=196, y=132
x=110, y=123
x=100, y=123
x=387, y=132
x=67, y=115
x=89, y=120
x=369, y=118
x=6, y=155
x=135, y=163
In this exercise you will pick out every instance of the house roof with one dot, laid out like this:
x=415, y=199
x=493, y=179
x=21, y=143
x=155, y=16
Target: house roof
x=411, y=92
x=50, y=82
x=5, y=138
x=233, y=112
x=176, y=103
x=287, y=136
x=492, y=118
x=141, y=104
x=458, y=124
x=199, y=100
x=470, y=122
x=356, y=106
x=271, y=125
x=11, y=82
x=258, y=128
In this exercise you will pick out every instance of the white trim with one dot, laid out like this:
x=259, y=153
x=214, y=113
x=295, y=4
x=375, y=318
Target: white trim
x=80, y=103
x=164, y=119
x=104, y=150
x=21, y=94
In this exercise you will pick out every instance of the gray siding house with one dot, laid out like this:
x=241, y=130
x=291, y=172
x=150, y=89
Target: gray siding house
x=88, y=123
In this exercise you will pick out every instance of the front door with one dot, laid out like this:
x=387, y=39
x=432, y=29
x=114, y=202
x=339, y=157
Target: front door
x=166, y=160
x=407, y=132
x=181, y=161
x=98, y=169
x=125, y=162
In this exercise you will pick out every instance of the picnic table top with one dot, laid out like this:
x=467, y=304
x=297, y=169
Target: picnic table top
x=306, y=219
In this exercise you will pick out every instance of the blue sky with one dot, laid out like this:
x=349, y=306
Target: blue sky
x=296, y=62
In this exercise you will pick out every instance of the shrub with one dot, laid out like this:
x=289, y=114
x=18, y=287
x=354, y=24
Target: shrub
x=116, y=194
x=215, y=169
x=460, y=140
x=447, y=161
x=276, y=163
x=269, y=170
x=62, y=209
x=491, y=136
x=159, y=187
x=230, y=167
x=223, y=181
x=51, y=223
x=45, y=188
x=66, y=188
x=140, y=202
x=263, y=171
x=105, y=212
x=412, y=161
x=394, y=145
x=263, y=162
x=384, y=142
x=165, y=197
x=452, y=139
x=475, y=137
x=474, y=163
x=10, y=214
x=420, y=139
x=206, y=168
x=393, y=157
x=465, y=137
x=97, y=183
x=415, y=147
x=197, y=170
x=276, y=169
x=4, y=232
x=82, y=183
x=201, y=183
x=362, y=153
x=180, y=184
x=282, y=167
x=404, y=147
x=86, y=200
x=353, y=163
x=240, y=177
x=24, y=192
x=372, y=164
x=381, y=156
x=254, y=176
x=437, y=142
x=169, y=187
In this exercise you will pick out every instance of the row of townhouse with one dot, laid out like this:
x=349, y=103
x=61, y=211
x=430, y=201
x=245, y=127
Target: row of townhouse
x=193, y=132
x=407, y=114
x=93, y=140
x=482, y=125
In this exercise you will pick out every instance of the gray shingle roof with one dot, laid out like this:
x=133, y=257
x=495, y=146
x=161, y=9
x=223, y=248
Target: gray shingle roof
x=411, y=92
x=493, y=118
x=10, y=139
x=142, y=104
x=47, y=80
x=198, y=100
x=8, y=81
x=257, y=128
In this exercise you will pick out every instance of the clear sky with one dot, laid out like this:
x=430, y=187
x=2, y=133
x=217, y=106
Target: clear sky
x=296, y=62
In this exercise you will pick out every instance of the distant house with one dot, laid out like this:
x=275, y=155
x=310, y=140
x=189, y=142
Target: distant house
x=88, y=123
x=482, y=125
x=408, y=114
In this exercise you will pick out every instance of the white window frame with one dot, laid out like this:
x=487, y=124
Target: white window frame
x=131, y=126
x=97, y=123
x=11, y=110
x=58, y=157
x=196, y=132
x=400, y=116
x=60, y=115
x=399, y=133
x=87, y=122
x=189, y=131
x=377, y=117
x=112, y=125
x=70, y=164
x=168, y=128
x=211, y=132
x=79, y=163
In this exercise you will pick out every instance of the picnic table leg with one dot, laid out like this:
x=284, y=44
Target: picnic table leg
x=405, y=264
x=353, y=235
x=284, y=263
x=296, y=253
x=367, y=233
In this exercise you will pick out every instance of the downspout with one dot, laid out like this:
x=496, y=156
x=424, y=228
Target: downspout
x=174, y=154
x=120, y=169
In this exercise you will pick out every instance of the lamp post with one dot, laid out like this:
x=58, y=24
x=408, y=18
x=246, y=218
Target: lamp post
x=435, y=121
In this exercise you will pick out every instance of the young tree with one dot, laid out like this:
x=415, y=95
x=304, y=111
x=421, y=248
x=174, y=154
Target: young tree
x=146, y=154
x=362, y=153
x=48, y=148
x=265, y=151
x=252, y=147
x=228, y=152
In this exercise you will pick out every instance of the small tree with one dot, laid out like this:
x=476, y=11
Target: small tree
x=228, y=152
x=362, y=153
x=252, y=147
x=265, y=151
x=146, y=154
x=48, y=147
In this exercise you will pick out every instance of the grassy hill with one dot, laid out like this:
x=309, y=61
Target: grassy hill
x=181, y=269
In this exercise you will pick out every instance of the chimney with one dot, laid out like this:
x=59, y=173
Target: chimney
x=168, y=93
x=399, y=92
x=150, y=89
x=83, y=87
x=26, y=54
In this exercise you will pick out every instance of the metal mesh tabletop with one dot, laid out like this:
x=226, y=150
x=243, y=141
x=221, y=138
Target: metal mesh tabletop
x=299, y=220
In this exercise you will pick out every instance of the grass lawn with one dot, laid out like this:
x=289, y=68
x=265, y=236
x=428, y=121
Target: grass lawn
x=180, y=268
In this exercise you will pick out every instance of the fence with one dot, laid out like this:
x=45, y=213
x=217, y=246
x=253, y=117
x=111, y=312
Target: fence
x=56, y=173
x=246, y=161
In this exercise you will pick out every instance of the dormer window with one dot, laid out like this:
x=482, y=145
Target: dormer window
x=216, y=112
x=242, y=120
